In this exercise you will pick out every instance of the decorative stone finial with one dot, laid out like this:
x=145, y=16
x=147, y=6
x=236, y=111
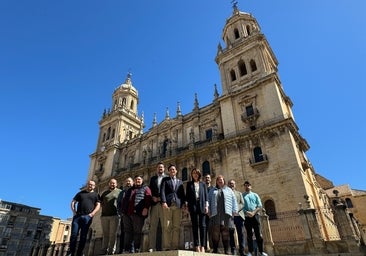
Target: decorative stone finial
x=155, y=122
x=167, y=116
x=216, y=93
x=179, y=111
x=196, y=104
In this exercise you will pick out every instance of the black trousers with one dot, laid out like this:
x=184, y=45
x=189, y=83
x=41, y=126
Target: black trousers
x=239, y=226
x=199, y=229
x=253, y=224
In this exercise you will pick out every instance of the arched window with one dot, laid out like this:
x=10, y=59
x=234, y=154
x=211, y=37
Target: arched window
x=206, y=168
x=184, y=174
x=270, y=208
x=248, y=29
x=242, y=68
x=236, y=33
x=253, y=65
x=232, y=75
x=109, y=133
x=132, y=104
x=113, y=133
x=164, y=148
x=258, y=155
x=349, y=203
x=124, y=102
x=208, y=134
x=104, y=137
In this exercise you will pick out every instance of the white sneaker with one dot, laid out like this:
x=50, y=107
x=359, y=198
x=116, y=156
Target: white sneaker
x=249, y=254
x=264, y=254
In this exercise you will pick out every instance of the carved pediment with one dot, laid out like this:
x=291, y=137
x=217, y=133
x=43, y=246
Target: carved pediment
x=166, y=125
x=247, y=99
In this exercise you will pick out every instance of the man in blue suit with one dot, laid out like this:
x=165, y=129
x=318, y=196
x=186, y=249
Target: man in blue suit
x=172, y=199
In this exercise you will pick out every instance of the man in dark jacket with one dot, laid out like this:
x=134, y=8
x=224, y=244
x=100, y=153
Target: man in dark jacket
x=172, y=199
x=156, y=213
x=128, y=184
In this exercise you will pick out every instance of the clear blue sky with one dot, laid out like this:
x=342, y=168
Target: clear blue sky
x=61, y=60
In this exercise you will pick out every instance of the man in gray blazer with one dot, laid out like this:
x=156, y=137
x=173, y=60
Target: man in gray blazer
x=238, y=221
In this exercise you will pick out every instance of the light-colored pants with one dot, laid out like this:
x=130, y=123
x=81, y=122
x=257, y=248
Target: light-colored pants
x=171, y=228
x=109, y=226
x=156, y=214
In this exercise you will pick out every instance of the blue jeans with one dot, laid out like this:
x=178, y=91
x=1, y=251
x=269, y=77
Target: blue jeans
x=79, y=223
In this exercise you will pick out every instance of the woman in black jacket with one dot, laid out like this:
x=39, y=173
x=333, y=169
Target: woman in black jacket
x=197, y=200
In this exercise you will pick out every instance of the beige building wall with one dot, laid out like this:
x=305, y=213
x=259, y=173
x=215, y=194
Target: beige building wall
x=355, y=200
x=61, y=231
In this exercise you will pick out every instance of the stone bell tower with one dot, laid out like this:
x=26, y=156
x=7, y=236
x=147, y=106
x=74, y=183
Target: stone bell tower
x=257, y=114
x=119, y=124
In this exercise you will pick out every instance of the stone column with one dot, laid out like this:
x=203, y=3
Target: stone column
x=267, y=234
x=313, y=236
x=345, y=227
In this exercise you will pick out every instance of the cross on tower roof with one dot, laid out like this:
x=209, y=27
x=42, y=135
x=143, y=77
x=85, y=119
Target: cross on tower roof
x=235, y=4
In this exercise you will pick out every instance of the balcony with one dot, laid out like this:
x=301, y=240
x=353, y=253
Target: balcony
x=250, y=117
x=258, y=160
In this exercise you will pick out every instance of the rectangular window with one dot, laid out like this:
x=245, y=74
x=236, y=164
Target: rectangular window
x=208, y=134
x=12, y=220
x=184, y=174
x=29, y=233
x=7, y=232
x=4, y=241
x=249, y=110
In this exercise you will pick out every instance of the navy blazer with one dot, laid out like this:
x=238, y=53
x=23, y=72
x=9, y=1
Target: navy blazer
x=191, y=197
x=168, y=193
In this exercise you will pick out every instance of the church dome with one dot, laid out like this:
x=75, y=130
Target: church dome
x=239, y=26
x=127, y=86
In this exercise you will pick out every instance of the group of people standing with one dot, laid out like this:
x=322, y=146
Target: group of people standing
x=215, y=213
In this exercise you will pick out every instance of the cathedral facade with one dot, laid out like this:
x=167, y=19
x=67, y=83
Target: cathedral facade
x=246, y=133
